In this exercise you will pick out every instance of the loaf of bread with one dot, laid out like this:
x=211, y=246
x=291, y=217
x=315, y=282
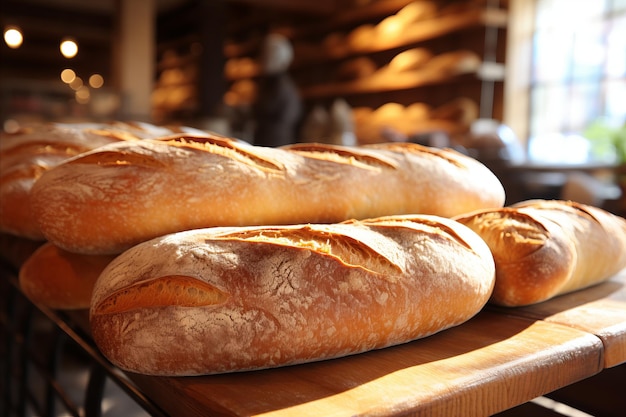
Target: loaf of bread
x=544, y=248
x=34, y=149
x=232, y=299
x=59, y=279
x=112, y=198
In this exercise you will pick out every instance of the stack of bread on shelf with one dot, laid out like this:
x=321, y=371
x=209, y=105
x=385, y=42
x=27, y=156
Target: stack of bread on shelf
x=373, y=125
x=263, y=257
x=419, y=64
x=387, y=32
x=176, y=85
x=389, y=122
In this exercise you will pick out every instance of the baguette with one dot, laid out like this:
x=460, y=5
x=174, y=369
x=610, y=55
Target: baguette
x=59, y=279
x=233, y=299
x=26, y=154
x=112, y=198
x=545, y=248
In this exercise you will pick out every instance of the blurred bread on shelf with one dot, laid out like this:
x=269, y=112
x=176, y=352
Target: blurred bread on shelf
x=244, y=67
x=394, y=121
x=355, y=69
x=410, y=59
x=241, y=93
x=454, y=62
x=362, y=37
x=417, y=11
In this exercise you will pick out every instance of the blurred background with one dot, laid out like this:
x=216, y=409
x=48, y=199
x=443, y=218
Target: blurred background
x=536, y=89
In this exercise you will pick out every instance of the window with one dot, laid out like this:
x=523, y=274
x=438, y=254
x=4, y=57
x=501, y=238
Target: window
x=577, y=75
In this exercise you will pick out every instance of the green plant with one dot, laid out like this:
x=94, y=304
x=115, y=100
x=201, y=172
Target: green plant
x=607, y=140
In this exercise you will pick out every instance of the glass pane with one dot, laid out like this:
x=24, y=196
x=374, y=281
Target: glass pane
x=615, y=110
x=570, y=13
x=618, y=5
x=585, y=105
x=549, y=109
x=616, y=51
x=552, y=56
x=589, y=52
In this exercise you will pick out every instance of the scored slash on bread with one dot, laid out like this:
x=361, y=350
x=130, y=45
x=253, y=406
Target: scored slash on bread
x=545, y=248
x=232, y=299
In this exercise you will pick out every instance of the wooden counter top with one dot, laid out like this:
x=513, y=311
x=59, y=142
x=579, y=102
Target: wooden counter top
x=599, y=310
x=489, y=364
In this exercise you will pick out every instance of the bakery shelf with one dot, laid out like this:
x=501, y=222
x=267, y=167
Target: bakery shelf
x=419, y=32
x=403, y=81
x=355, y=15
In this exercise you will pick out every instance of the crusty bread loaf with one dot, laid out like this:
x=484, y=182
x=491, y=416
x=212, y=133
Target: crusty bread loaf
x=35, y=148
x=110, y=199
x=24, y=156
x=544, y=248
x=59, y=279
x=233, y=299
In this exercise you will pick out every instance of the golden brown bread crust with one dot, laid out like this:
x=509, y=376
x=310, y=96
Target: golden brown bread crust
x=544, y=248
x=112, y=198
x=59, y=279
x=232, y=299
x=26, y=154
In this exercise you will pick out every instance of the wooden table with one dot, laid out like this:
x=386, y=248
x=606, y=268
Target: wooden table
x=499, y=359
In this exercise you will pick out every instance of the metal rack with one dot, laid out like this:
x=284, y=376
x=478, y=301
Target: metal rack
x=36, y=341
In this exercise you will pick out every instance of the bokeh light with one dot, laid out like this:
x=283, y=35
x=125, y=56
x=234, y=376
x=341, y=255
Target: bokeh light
x=96, y=81
x=68, y=48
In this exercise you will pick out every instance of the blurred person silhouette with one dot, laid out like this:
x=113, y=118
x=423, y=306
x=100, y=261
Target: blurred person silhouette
x=278, y=107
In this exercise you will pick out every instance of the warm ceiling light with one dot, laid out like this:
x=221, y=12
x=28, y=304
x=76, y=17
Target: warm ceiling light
x=13, y=37
x=68, y=75
x=96, y=81
x=69, y=48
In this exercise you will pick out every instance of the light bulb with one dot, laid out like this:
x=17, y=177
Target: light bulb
x=13, y=37
x=68, y=48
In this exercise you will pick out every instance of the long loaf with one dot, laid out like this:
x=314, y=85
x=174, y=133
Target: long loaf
x=109, y=199
x=232, y=299
x=544, y=248
x=35, y=148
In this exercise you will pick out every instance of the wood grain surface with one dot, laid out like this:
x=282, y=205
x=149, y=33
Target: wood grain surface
x=489, y=364
x=599, y=310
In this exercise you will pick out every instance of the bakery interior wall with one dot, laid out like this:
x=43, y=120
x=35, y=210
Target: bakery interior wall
x=428, y=71
x=370, y=54
x=382, y=70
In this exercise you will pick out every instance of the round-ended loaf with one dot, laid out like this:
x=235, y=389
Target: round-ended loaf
x=233, y=299
x=117, y=196
x=544, y=248
x=61, y=280
x=36, y=148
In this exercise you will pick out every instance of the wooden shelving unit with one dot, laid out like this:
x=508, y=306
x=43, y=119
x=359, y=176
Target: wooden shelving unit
x=470, y=27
